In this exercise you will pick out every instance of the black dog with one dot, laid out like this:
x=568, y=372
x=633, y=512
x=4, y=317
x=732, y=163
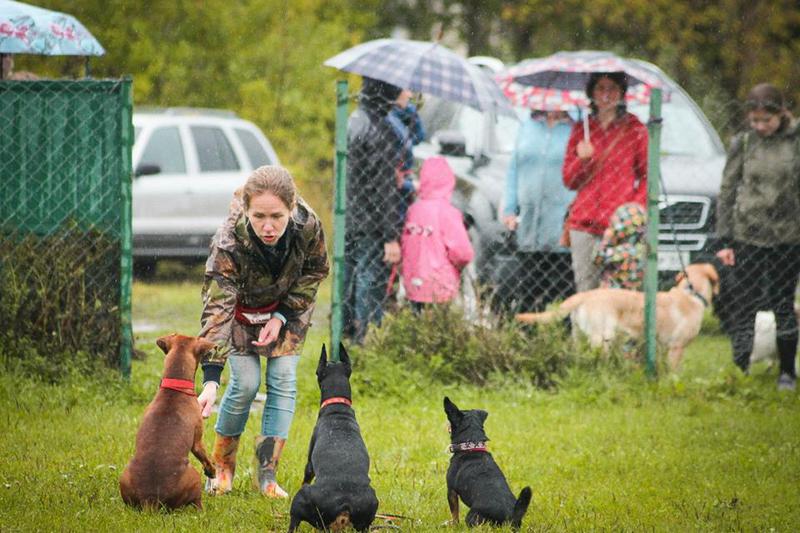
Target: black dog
x=337, y=456
x=475, y=477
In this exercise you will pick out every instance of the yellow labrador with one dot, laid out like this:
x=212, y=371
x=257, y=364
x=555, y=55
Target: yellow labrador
x=602, y=313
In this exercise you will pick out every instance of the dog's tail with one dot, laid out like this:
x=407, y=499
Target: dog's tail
x=566, y=307
x=521, y=507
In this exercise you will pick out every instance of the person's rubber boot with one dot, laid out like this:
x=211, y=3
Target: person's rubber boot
x=268, y=454
x=787, y=352
x=224, y=459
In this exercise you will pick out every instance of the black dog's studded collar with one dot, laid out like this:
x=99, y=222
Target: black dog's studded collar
x=468, y=447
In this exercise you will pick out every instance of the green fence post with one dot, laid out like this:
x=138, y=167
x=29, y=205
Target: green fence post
x=651, y=274
x=339, y=207
x=126, y=233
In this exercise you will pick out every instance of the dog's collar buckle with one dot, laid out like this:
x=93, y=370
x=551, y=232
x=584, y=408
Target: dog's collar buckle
x=336, y=399
x=468, y=446
x=180, y=385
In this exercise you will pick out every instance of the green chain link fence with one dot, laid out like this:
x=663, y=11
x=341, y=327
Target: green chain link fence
x=65, y=221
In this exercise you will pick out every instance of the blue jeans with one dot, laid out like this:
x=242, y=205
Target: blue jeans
x=243, y=387
x=365, y=279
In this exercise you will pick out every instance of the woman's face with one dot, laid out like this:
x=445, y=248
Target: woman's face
x=403, y=98
x=269, y=217
x=764, y=122
x=606, y=94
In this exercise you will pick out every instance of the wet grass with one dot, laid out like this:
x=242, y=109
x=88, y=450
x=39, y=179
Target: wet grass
x=705, y=449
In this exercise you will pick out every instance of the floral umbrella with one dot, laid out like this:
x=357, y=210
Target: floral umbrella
x=27, y=29
x=558, y=82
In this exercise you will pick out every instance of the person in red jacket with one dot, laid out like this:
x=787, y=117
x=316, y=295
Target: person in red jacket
x=607, y=164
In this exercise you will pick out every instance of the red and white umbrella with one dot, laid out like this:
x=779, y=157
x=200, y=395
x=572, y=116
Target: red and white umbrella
x=558, y=82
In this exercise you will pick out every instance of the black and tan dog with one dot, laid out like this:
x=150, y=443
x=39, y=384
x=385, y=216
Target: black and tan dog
x=337, y=457
x=159, y=473
x=475, y=477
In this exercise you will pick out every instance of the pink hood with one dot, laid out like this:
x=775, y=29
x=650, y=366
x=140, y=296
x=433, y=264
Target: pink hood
x=435, y=244
x=436, y=179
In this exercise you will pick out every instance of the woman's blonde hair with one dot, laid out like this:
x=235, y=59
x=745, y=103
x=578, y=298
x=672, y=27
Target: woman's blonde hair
x=273, y=179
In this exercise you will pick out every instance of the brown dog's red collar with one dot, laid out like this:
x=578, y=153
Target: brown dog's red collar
x=336, y=399
x=181, y=385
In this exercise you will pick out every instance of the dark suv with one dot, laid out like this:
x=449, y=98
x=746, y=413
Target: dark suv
x=479, y=146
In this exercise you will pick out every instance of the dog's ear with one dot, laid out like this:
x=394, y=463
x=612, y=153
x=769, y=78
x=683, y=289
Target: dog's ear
x=452, y=411
x=345, y=358
x=482, y=415
x=323, y=362
x=165, y=342
x=203, y=346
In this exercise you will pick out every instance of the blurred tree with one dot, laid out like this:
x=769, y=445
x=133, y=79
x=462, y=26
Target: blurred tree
x=263, y=58
x=260, y=58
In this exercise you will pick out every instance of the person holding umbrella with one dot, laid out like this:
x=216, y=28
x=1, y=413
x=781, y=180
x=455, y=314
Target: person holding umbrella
x=374, y=221
x=606, y=163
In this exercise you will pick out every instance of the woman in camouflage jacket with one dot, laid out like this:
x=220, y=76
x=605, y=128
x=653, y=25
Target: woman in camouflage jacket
x=266, y=263
x=758, y=220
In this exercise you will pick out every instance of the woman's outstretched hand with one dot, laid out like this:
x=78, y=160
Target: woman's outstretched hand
x=207, y=398
x=269, y=333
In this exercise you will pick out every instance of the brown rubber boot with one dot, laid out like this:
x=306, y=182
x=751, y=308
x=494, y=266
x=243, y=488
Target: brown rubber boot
x=268, y=453
x=224, y=459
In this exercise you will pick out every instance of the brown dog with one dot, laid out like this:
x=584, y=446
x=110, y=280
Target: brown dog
x=603, y=313
x=159, y=473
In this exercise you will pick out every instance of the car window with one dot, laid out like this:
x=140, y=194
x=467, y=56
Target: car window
x=165, y=150
x=683, y=133
x=470, y=122
x=506, y=133
x=214, y=152
x=438, y=114
x=255, y=152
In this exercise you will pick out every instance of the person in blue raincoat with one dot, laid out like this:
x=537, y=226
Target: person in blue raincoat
x=535, y=205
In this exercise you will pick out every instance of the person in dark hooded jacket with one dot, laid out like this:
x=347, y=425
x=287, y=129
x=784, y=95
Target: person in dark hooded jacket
x=758, y=223
x=373, y=223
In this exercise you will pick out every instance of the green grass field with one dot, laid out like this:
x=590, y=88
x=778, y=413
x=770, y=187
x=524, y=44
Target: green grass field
x=706, y=449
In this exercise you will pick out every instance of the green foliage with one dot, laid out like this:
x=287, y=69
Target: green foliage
x=53, y=312
x=441, y=346
x=260, y=58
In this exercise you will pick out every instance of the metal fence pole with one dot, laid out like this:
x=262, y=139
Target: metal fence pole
x=651, y=274
x=126, y=233
x=339, y=208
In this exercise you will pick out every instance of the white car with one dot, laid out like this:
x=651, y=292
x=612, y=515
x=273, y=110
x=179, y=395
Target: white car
x=187, y=164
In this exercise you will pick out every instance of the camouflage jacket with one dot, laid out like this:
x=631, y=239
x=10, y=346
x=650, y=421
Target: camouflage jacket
x=236, y=271
x=759, y=199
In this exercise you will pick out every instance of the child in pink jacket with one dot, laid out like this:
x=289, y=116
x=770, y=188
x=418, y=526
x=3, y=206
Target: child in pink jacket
x=435, y=245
